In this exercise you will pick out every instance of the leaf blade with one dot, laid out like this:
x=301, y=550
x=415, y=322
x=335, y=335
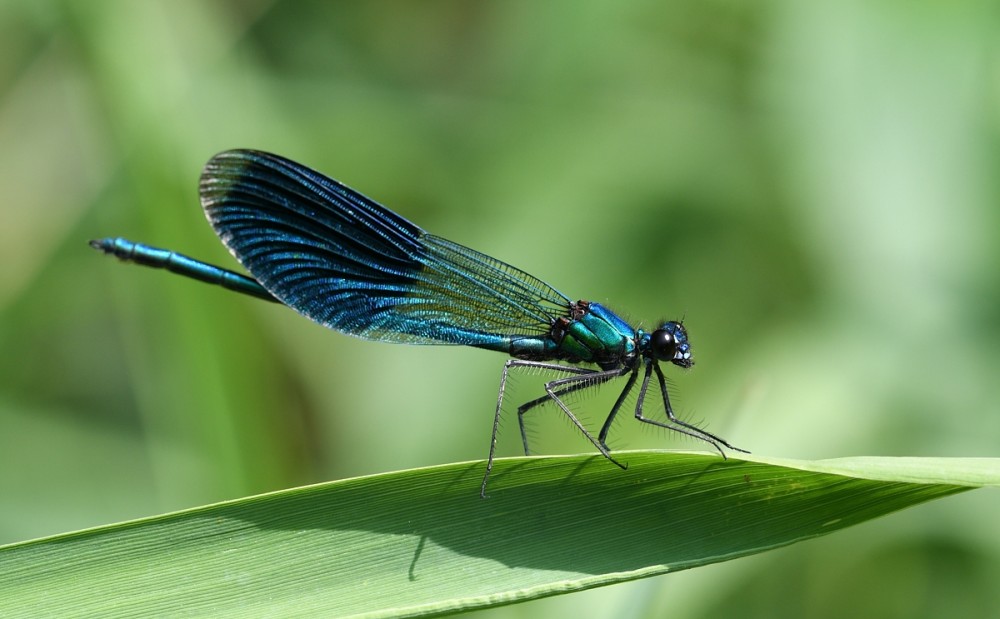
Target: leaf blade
x=421, y=542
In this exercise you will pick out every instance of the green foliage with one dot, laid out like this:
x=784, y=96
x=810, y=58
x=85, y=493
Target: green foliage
x=811, y=184
x=422, y=542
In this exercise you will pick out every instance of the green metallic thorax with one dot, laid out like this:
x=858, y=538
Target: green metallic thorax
x=590, y=334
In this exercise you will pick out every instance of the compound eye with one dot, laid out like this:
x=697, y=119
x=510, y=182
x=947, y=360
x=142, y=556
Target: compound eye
x=664, y=344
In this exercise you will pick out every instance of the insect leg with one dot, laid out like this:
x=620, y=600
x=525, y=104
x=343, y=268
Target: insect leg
x=674, y=423
x=583, y=377
x=614, y=409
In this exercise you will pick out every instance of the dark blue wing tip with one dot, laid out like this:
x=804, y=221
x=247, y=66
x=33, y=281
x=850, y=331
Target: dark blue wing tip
x=233, y=168
x=239, y=158
x=227, y=165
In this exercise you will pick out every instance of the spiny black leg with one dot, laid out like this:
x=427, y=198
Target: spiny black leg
x=602, y=437
x=715, y=440
x=503, y=385
x=527, y=406
x=675, y=424
x=594, y=378
x=638, y=411
x=669, y=426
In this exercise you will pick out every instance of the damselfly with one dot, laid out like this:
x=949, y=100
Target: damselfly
x=348, y=263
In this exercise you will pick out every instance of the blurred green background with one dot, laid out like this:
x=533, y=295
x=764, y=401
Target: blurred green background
x=812, y=185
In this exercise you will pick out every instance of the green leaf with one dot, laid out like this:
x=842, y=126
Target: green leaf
x=422, y=542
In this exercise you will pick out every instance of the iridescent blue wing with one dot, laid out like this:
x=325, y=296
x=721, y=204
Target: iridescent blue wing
x=350, y=264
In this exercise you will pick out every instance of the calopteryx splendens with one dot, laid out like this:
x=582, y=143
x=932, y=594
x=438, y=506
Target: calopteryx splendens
x=348, y=263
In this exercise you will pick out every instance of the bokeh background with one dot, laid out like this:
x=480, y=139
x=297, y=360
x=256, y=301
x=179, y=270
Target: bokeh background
x=813, y=186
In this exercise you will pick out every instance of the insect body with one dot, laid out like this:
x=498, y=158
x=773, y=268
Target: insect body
x=350, y=264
